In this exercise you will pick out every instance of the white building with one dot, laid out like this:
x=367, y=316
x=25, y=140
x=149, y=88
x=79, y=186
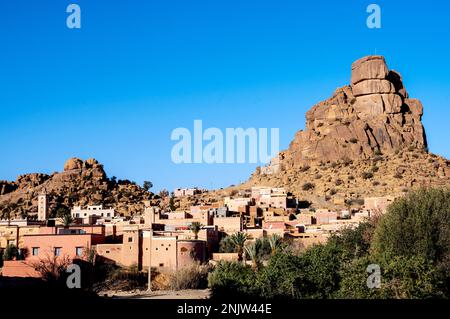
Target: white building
x=92, y=213
x=181, y=192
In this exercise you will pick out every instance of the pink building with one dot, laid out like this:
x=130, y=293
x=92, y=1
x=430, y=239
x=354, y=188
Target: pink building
x=47, y=247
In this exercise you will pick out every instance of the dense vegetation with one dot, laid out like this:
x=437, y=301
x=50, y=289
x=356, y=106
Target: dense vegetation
x=410, y=244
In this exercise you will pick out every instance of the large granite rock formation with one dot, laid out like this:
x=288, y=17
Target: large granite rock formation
x=366, y=140
x=372, y=115
x=81, y=183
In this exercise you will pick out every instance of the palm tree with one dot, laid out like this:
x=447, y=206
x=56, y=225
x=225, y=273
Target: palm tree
x=66, y=220
x=252, y=251
x=195, y=228
x=275, y=243
x=238, y=241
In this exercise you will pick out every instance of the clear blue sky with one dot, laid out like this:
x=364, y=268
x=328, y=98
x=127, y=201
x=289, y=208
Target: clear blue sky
x=115, y=89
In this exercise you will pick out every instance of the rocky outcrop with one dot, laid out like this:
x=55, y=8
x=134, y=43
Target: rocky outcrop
x=370, y=116
x=81, y=183
x=73, y=163
x=366, y=140
x=7, y=187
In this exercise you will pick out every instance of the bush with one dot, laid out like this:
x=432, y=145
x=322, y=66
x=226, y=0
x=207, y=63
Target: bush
x=338, y=182
x=353, y=140
x=127, y=278
x=398, y=175
x=193, y=276
x=308, y=186
x=304, y=168
x=367, y=175
x=10, y=252
x=226, y=245
x=232, y=279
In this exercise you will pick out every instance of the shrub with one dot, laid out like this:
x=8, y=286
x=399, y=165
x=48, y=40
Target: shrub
x=232, y=279
x=378, y=152
x=128, y=278
x=376, y=183
x=338, y=182
x=351, y=177
x=333, y=191
x=377, y=158
x=304, y=168
x=308, y=186
x=367, y=175
x=10, y=252
x=346, y=161
x=193, y=276
x=318, y=176
x=353, y=140
x=398, y=175
x=226, y=245
x=355, y=201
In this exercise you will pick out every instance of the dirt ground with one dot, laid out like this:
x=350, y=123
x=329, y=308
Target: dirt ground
x=158, y=294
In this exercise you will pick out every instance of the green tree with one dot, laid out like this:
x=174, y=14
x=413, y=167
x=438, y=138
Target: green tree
x=275, y=243
x=10, y=252
x=252, y=252
x=238, y=240
x=195, y=228
x=61, y=212
x=172, y=203
x=147, y=185
x=226, y=245
x=417, y=225
x=232, y=279
x=66, y=220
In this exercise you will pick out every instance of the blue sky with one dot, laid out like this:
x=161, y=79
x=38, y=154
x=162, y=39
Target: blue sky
x=116, y=88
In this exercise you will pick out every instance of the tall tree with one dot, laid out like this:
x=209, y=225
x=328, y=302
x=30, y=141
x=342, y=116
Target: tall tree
x=195, y=228
x=147, y=185
x=238, y=240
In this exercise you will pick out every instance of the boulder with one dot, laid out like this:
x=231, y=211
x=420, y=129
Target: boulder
x=368, y=68
x=73, y=163
x=373, y=110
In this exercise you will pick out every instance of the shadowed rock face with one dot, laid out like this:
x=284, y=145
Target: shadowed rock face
x=373, y=113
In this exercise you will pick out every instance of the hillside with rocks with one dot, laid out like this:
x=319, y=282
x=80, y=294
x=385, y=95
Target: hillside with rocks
x=80, y=183
x=366, y=140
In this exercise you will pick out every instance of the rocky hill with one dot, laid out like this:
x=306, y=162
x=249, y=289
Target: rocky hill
x=81, y=183
x=366, y=140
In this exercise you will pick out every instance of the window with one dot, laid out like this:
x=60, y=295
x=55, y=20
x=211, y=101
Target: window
x=35, y=251
x=57, y=251
x=130, y=239
x=79, y=251
x=161, y=265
